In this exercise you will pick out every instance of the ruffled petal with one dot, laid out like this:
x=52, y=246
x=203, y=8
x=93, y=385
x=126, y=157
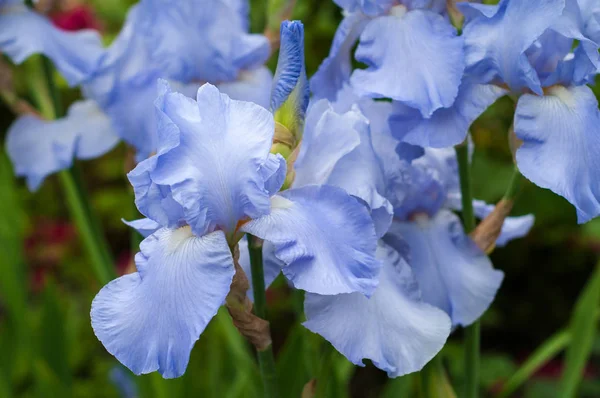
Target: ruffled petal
x=453, y=274
x=394, y=328
x=495, y=44
x=253, y=85
x=325, y=238
x=144, y=226
x=352, y=166
x=39, y=148
x=150, y=320
x=416, y=59
x=271, y=265
x=561, y=149
x=290, y=83
x=210, y=152
x=446, y=126
x=24, y=32
x=335, y=70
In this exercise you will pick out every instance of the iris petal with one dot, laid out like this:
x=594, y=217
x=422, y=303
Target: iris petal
x=561, y=149
x=394, y=328
x=150, y=320
x=325, y=238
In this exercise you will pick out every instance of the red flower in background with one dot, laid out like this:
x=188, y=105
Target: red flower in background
x=78, y=17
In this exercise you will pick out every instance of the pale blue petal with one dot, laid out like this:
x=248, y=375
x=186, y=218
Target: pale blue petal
x=453, y=274
x=335, y=70
x=561, y=149
x=150, y=320
x=446, y=126
x=338, y=150
x=394, y=328
x=416, y=59
x=253, y=85
x=474, y=10
x=144, y=226
x=495, y=44
x=204, y=40
x=290, y=82
x=271, y=265
x=38, y=148
x=210, y=154
x=273, y=172
x=324, y=236
x=368, y=7
x=24, y=32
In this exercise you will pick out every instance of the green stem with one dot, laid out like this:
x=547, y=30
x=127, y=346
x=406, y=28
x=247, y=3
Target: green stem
x=472, y=333
x=266, y=359
x=514, y=185
x=48, y=99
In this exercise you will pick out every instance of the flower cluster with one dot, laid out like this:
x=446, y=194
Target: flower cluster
x=354, y=196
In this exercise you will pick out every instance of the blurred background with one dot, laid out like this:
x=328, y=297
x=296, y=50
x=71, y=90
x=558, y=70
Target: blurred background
x=48, y=349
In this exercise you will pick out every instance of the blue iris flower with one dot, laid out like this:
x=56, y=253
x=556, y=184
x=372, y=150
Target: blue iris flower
x=412, y=52
x=212, y=180
x=545, y=51
x=453, y=273
x=187, y=42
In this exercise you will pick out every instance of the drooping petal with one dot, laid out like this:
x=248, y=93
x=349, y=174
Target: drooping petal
x=513, y=227
x=561, y=149
x=446, y=126
x=144, y=226
x=253, y=85
x=150, y=320
x=325, y=238
x=24, y=32
x=352, y=164
x=453, y=274
x=210, y=152
x=335, y=70
x=290, y=84
x=271, y=265
x=394, y=328
x=495, y=44
x=39, y=148
x=416, y=59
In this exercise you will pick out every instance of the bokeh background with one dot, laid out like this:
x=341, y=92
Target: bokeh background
x=48, y=349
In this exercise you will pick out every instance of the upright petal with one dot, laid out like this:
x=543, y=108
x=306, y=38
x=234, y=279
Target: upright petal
x=24, y=32
x=453, y=274
x=495, y=43
x=252, y=85
x=368, y=7
x=290, y=83
x=416, y=59
x=446, y=126
x=209, y=160
x=394, y=328
x=203, y=40
x=335, y=70
x=352, y=166
x=325, y=238
x=561, y=145
x=150, y=320
x=39, y=148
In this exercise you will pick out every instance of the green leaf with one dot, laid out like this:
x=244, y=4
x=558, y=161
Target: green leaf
x=399, y=387
x=544, y=353
x=292, y=370
x=583, y=326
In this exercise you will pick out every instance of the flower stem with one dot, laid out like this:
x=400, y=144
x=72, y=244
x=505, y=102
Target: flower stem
x=48, y=99
x=514, y=185
x=472, y=332
x=266, y=360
